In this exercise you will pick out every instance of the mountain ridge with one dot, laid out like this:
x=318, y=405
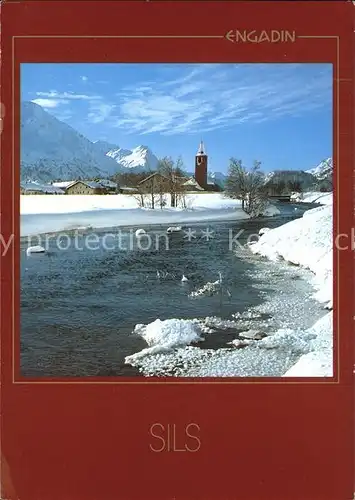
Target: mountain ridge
x=52, y=150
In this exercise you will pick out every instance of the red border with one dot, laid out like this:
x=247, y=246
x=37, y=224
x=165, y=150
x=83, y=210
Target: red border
x=90, y=441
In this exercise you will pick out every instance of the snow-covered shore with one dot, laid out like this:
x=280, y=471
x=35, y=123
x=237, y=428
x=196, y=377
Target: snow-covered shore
x=305, y=242
x=50, y=213
x=51, y=204
x=313, y=197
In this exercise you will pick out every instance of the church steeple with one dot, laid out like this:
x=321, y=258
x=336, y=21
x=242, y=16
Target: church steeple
x=201, y=166
x=201, y=149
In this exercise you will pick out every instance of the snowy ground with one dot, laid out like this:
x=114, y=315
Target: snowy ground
x=51, y=204
x=307, y=242
x=307, y=350
x=313, y=197
x=50, y=213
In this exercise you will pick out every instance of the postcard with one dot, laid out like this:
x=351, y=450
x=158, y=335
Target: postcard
x=177, y=245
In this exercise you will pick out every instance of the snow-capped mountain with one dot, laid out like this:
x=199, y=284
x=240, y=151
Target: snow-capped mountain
x=218, y=178
x=323, y=171
x=140, y=159
x=51, y=149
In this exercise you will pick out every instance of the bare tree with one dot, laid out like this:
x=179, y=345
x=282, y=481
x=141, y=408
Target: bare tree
x=247, y=185
x=140, y=197
x=162, y=194
x=174, y=174
x=152, y=195
x=129, y=179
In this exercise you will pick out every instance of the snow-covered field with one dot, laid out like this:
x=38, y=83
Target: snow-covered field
x=50, y=213
x=49, y=204
x=52, y=204
x=305, y=242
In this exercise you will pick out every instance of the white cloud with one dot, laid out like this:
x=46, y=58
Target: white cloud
x=68, y=95
x=49, y=103
x=195, y=98
x=212, y=96
x=99, y=112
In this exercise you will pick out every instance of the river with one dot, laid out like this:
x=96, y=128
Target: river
x=79, y=305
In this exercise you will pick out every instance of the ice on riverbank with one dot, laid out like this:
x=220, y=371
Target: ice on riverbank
x=313, y=197
x=165, y=335
x=307, y=242
x=171, y=354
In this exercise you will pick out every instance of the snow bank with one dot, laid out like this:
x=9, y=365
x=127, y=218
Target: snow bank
x=49, y=223
x=271, y=211
x=305, y=352
x=313, y=364
x=48, y=204
x=307, y=242
x=165, y=335
x=313, y=197
x=43, y=214
x=319, y=361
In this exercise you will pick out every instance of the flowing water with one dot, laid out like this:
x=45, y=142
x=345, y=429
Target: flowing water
x=80, y=301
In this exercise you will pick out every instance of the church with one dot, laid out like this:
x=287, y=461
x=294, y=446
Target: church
x=200, y=181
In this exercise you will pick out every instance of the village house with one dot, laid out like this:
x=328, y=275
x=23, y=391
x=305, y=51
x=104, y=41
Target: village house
x=37, y=188
x=192, y=185
x=98, y=186
x=62, y=185
x=154, y=183
x=85, y=187
x=111, y=187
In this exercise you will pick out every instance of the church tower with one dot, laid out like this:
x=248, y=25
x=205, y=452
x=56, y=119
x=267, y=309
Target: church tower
x=201, y=166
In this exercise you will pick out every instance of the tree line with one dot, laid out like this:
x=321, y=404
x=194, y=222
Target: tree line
x=165, y=186
x=251, y=187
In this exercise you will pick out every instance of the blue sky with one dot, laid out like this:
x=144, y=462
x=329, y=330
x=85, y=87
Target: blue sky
x=279, y=114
